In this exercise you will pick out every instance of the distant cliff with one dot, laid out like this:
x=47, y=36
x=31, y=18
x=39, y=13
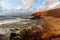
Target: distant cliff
x=52, y=12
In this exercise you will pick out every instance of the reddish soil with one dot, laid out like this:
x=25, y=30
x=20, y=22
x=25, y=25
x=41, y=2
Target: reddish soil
x=52, y=12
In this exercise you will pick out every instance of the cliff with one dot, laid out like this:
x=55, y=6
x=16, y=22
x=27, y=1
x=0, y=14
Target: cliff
x=52, y=20
x=52, y=13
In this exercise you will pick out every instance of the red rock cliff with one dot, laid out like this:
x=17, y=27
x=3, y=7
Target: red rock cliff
x=52, y=12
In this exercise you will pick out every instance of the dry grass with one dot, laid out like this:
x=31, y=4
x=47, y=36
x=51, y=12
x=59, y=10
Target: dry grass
x=53, y=24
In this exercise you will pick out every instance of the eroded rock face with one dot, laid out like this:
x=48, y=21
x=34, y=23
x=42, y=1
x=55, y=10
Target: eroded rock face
x=52, y=12
x=39, y=14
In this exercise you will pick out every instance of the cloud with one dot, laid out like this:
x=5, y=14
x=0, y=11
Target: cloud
x=9, y=9
x=15, y=9
x=49, y=4
x=28, y=3
x=17, y=0
x=4, y=2
x=18, y=8
x=52, y=6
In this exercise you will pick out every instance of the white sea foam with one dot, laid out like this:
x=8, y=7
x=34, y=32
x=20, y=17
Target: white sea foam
x=9, y=21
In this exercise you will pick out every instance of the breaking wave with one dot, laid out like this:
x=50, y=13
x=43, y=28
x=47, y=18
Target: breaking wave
x=9, y=21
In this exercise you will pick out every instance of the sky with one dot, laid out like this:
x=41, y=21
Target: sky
x=19, y=5
x=15, y=6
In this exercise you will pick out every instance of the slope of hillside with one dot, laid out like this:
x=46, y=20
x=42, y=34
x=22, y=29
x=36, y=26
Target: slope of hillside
x=51, y=19
x=52, y=24
x=52, y=13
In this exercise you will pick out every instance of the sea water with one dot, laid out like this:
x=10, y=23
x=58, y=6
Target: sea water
x=7, y=23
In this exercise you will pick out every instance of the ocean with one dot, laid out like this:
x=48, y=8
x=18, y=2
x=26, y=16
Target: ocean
x=12, y=22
